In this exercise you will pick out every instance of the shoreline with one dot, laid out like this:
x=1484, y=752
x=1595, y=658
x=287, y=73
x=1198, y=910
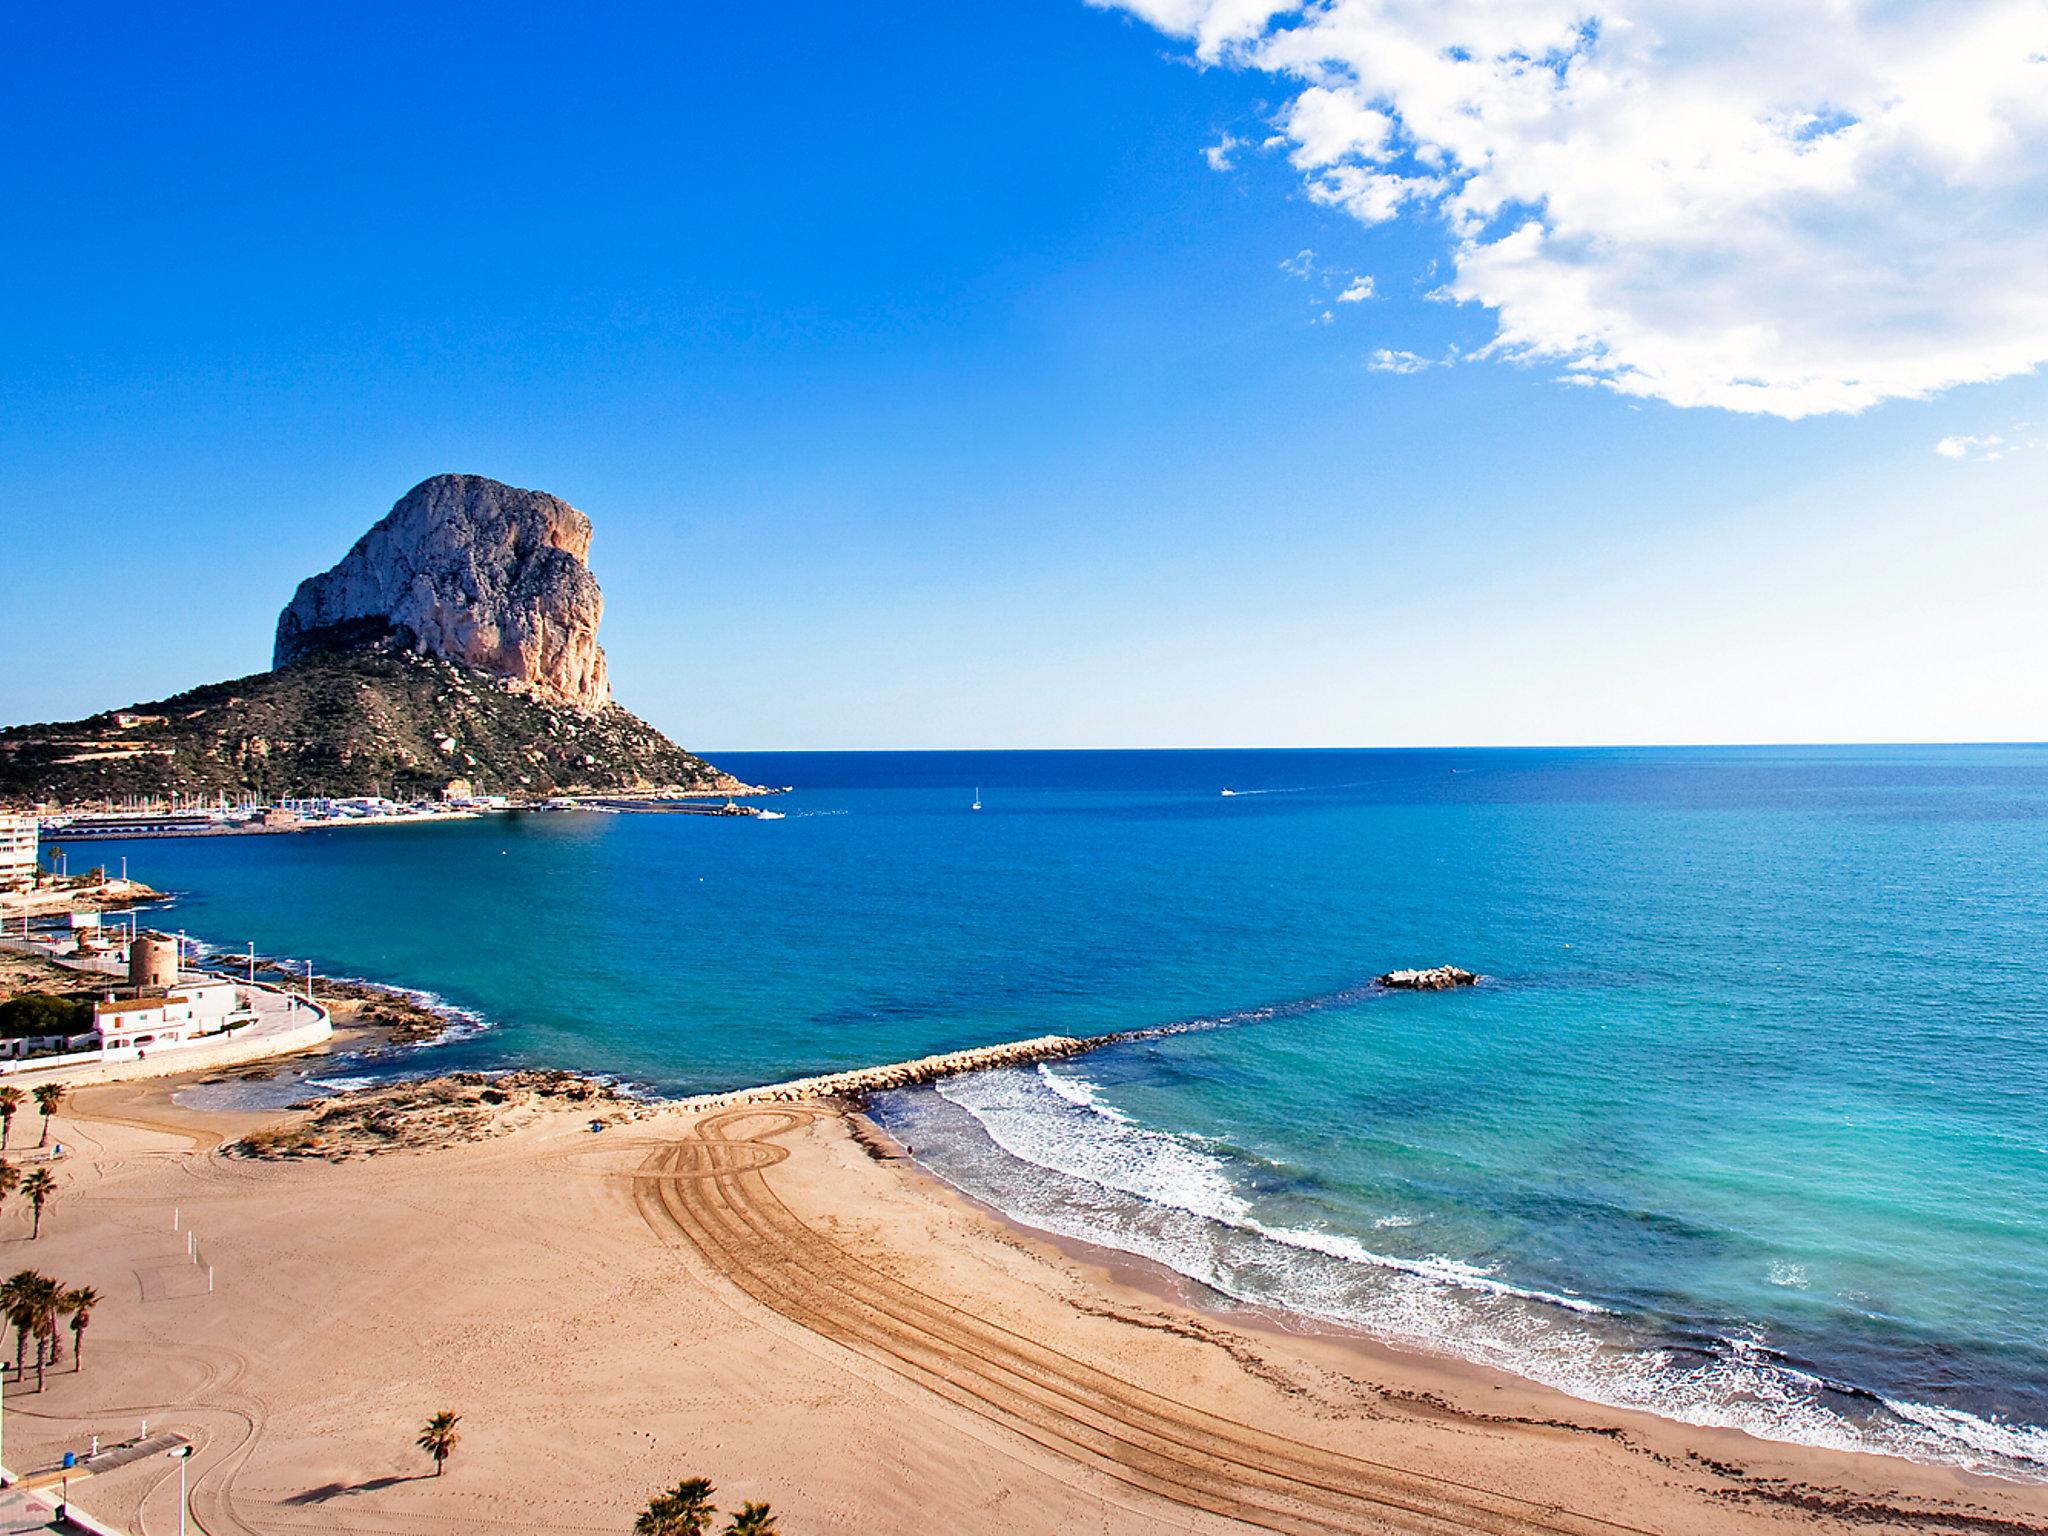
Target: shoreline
x=771, y=1295
x=1175, y=1288
x=1120, y=1269
x=851, y=1091
x=852, y=1088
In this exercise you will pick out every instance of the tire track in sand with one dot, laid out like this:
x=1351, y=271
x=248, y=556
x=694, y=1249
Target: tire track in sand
x=710, y=1186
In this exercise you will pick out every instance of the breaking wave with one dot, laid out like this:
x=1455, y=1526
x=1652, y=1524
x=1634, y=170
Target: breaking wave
x=1045, y=1146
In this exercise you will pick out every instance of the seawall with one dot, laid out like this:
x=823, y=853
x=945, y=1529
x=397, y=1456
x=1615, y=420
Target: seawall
x=901, y=1074
x=175, y=1061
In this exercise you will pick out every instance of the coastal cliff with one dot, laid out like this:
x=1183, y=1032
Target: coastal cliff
x=472, y=571
x=457, y=640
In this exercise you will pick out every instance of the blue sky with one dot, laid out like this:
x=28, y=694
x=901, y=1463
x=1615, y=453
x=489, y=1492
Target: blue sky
x=927, y=387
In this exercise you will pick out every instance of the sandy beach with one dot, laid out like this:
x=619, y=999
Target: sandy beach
x=771, y=1298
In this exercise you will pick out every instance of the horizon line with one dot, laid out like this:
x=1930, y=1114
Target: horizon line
x=1553, y=746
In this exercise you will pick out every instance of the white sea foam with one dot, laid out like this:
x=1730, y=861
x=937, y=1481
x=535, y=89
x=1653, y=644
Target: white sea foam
x=1149, y=1165
x=1455, y=1272
x=1790, y=1275
x=1994, y=1438
x=1101, y=1145
x=1165, y=1197
x=1080, y=1092
x=342, y=1084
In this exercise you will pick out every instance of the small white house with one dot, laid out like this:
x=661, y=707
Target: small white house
x=196, y=1008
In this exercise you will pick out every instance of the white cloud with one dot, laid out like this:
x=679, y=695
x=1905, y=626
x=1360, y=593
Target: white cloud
x=1983, y=447
x=1301, y=264
x=1358, y=290
x=1386, y=360
x=1781, y=206
x=1969, y=447
x=1219, y=155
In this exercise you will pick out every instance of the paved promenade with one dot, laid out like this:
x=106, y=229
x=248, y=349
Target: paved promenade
x=22, y=1511
x=285, y=1022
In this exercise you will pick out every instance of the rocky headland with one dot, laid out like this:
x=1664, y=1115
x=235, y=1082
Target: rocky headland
x=484, y=575
x=456, y=641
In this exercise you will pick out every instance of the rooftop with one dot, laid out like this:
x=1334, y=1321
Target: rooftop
x=133, y=1004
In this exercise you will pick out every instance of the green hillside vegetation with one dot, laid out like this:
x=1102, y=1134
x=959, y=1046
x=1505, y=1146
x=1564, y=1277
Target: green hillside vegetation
x=373, y=719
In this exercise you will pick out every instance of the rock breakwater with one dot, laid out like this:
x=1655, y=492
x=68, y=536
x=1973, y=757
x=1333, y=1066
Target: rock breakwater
x=1438, y=978
x=903, y=1074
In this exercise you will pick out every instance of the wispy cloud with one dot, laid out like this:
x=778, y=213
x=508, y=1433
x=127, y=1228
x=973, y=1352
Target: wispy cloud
x=1221, y=154
x=1970, y=447
x=1301, y=264
x=1793, y=208
x=1357, y=291
x=1387, y=360
x=1983, y=447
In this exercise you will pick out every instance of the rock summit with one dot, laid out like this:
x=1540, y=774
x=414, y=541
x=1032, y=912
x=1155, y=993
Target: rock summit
x=472, y=571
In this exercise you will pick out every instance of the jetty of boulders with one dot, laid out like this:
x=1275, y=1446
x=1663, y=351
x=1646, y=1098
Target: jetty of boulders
x=1017, y=1053
x=902, y=1074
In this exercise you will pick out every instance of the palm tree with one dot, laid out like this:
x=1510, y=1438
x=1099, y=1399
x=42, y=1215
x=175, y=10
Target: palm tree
x=752, y=1520
x=17, y=1304
x=38, y=1186
x=48, y=1097
x=49, y=1336
x=79, y=1302
x=439, y=1437
x=10, y=1178
x=684, y=1510
x=10, y=1101
x=32, y=1302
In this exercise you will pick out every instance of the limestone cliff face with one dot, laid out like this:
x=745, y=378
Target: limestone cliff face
x=477, y=573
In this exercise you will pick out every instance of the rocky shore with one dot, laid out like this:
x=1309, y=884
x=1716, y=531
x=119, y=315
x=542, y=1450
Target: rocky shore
x=441, y=1111
x=78, y=894
x=403, y=1018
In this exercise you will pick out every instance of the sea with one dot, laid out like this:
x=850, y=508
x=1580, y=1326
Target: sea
x=1747, y=1124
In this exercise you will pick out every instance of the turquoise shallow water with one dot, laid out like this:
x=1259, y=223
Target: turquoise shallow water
x=1747, y=1124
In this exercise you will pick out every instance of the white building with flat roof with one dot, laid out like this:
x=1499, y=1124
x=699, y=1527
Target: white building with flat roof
x=201, y=1005
x=17, y=852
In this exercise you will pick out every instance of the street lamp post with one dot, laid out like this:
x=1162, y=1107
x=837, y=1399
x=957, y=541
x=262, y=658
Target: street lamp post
x=181, y=1455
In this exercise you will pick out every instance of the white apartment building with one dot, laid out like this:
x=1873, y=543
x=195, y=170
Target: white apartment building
x=17, y=852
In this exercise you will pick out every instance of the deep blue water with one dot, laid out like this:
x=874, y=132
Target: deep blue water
x=1749, y=1122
